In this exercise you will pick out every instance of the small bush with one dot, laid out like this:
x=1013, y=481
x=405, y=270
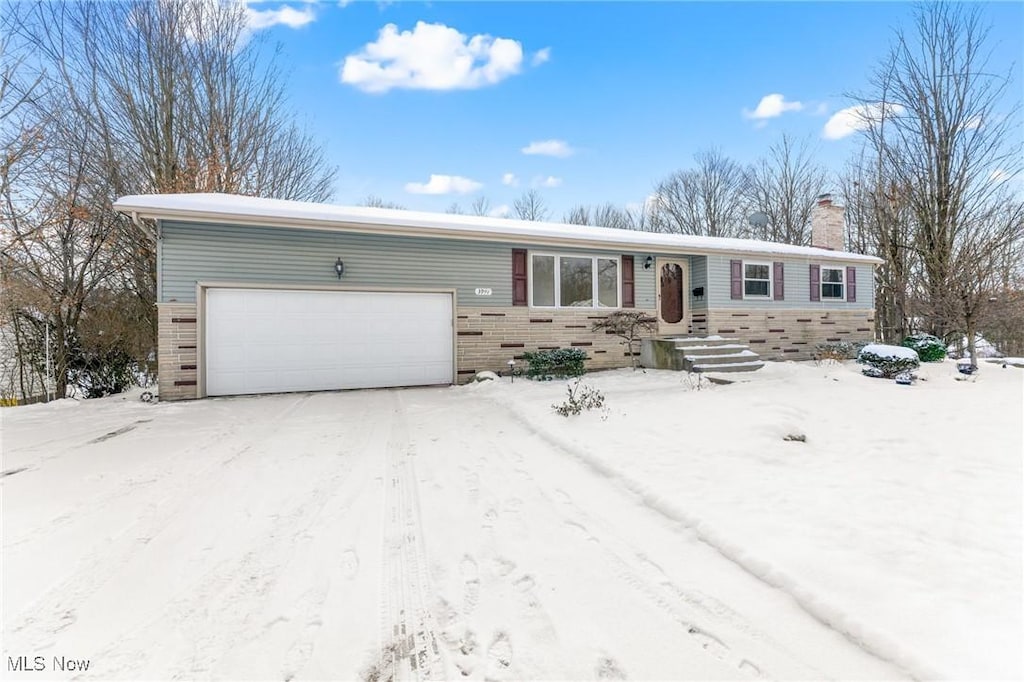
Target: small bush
x=887, y=361
x=581, y=397
x=630, y=326
x=929, y=348
x=837, y=351
x=545, y=365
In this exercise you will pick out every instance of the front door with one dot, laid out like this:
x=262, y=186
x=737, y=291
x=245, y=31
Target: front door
x=672, y=313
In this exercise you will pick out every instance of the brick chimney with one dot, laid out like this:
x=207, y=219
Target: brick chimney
x=827, y=224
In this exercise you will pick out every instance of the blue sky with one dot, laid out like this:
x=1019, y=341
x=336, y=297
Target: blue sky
x=613, y=96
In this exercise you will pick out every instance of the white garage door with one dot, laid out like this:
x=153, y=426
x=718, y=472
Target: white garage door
x=272, y=341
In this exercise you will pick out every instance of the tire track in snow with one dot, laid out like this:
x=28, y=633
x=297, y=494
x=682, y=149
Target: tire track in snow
x=857, y=634
x=632, y=566
x=409, y=647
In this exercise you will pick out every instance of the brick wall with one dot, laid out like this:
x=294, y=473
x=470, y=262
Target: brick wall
x=176, y=354
x=828, y=225
x=488, y=338
x=791, y=334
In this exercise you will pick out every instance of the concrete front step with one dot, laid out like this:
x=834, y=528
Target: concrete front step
x=712, y=350
x=698, y=354
x=731, y=367
x=722, y=359
x=700, y=341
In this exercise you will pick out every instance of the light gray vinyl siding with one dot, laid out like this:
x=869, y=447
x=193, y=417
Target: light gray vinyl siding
x=698, y=278
x=797, y=284
x=192, y=252
x=643, y=282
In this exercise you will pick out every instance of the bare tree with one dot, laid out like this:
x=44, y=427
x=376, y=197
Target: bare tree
x=708, y=199
x=481, y=206
x=604, y=215
x=139, y=98
x=879, y=223
x=530, y=206
x=56, y=237
x=784, y=185
x=978, y=262
x=936, y=121
x=374, y=201
x=577, y=215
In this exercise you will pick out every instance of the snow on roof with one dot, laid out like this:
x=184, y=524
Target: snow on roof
x=254, y=210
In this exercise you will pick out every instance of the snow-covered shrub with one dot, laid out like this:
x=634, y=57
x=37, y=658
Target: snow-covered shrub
x=982, y=347
x=581, y=397
x=555, y=364
x=887, y=361
x=929, y=348
x=838, y=351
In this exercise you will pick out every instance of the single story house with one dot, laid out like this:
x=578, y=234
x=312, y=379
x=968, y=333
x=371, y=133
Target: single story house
x=264, y=295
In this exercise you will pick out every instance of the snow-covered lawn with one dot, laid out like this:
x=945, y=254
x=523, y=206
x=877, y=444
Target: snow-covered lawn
x=470, y=532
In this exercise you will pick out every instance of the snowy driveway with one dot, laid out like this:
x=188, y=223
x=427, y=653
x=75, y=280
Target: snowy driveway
x=435, y=533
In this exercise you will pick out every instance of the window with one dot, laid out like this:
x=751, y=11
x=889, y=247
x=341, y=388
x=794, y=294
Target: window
x=757, y=280
x=832, y=283
x=574, y=281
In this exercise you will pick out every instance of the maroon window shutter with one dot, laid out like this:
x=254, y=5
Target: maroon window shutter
x=518, y=276
x=628, y=295
x=815, y=282
x=851, y=284
x=780, y=290
x=736, y=278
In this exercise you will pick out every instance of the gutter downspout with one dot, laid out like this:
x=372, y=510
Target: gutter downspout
x=139, y=224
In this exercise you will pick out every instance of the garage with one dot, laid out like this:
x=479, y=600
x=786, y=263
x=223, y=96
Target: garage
x=261, y=340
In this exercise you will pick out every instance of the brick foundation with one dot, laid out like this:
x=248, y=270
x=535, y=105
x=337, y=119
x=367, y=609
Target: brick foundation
x=791, y=334
x=176, y=355
x=487, y=338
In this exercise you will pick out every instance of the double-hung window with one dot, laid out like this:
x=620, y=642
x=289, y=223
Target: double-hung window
x=558, y=281
x=757, y=280
x=832, y=283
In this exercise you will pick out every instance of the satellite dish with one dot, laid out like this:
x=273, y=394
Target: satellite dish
x=758, y=219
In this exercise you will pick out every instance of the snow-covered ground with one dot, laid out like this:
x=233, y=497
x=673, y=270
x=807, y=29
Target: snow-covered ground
x=470, y=532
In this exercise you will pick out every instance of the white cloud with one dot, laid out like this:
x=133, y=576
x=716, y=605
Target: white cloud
x=848, y=121
x=510, y=180
x=259, y=19
x=559, y=148
x=999, y=175
x=549, y=181
x=540, y=56
x=500, y=211
x=431, y=57
x=771, y=106
x=444, y=184
x=973, y=122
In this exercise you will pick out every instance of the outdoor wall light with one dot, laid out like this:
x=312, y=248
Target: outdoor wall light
x=339, y=268
x=698, y=292
x=648, y=262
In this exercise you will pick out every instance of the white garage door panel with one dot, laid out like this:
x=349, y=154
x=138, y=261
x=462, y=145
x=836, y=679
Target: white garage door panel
x=270, y=341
